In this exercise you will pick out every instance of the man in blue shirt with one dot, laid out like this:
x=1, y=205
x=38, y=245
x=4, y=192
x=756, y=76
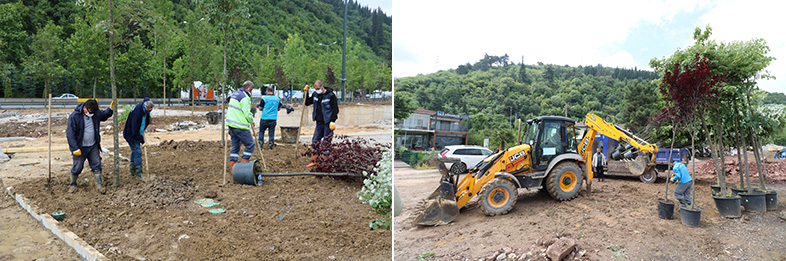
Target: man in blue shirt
x=133, y=133
x=269, y=105
x=684, y=183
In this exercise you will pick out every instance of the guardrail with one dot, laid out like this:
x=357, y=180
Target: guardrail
x=33, y=103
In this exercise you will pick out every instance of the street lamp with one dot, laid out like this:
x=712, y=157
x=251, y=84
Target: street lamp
x=327, y=45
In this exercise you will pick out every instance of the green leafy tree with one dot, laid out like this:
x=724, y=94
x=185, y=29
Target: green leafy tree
x=12, y=36
x=86, y=51
x=44, y=60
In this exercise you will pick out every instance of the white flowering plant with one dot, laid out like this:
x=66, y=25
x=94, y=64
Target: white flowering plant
x=377, y=189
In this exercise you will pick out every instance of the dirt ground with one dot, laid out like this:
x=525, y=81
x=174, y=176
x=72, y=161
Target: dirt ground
x=619, y=219
x=285, y=218
x=25, y=239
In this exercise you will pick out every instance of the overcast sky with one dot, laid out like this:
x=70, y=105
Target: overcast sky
x=437, y=35
x=386, y=5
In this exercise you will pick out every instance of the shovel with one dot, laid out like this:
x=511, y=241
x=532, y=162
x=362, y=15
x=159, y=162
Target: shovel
x=147, y=165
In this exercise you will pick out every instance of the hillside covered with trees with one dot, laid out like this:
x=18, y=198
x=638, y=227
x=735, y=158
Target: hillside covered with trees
x=62, y=46
x=495, y=91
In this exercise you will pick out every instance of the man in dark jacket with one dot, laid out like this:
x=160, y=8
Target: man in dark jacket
x=325, y=111
x=134, y=131
x=84, y=140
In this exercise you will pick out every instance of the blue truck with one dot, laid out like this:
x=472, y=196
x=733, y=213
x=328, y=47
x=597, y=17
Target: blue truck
x=617, y=168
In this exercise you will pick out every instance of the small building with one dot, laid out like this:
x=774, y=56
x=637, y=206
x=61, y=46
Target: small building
x=425, y=129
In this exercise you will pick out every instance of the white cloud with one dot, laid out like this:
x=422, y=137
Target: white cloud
x=746, y=20
x=438, y=35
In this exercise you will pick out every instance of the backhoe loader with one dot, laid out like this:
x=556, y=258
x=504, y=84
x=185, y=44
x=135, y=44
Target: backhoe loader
x=552, y=157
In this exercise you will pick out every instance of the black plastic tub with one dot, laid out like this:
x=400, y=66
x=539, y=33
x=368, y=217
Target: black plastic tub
x=243, y=173
x=665, y=208
x=772, y=200
x=690, y=217
x=754, y=202
x=728, y=207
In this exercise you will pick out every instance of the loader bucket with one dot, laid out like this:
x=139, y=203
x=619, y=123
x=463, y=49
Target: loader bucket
x=641, y=164
x=439, y=208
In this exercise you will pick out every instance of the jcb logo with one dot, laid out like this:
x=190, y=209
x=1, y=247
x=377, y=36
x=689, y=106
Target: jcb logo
x=517, y=155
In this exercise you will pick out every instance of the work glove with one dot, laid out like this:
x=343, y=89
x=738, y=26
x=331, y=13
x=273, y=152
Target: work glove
x=253, y=111
x=111, y=104
x=305, y=89
x=332, y=126
x=144, y=145
x=289, y=109
x=77, y=152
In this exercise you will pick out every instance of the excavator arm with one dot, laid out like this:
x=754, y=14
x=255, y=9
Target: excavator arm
x=628, y=153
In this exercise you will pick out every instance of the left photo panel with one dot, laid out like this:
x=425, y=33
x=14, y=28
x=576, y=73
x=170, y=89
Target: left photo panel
x=193, y=130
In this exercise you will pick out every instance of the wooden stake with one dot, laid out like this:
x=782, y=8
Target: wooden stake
x=259, y=146
x=49, y=133
x=300, y=124
x=147, y=165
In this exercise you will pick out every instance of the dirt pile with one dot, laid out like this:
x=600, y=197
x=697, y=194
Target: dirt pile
x=776, y=170
x=157, y=192
x=34, y=129
x=549, y=247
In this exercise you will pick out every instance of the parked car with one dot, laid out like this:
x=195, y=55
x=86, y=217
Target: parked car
x=469, y=156
x=65, y=96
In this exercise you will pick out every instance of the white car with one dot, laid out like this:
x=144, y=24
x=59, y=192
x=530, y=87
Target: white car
x=66, y=96
x=469, y=156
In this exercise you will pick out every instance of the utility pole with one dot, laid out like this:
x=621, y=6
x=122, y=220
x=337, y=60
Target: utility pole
x=344, y=56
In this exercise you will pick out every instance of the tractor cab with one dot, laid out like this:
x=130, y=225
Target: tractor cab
x=549, y=137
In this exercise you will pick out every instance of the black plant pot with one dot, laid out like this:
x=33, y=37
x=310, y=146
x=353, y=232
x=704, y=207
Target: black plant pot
x=772, y=200
x=754, y=202
x=728, y=207
x=737, y=191
x=715, y=189
x=690, y=217
x=665, y=208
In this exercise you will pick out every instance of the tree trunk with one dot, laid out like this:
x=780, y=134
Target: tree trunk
x=671, y=165
x=693, y=163
x=95, y=81
x=224, y=108
x=757, y=157
x=745, y=163
x=721, y=154
x=116, y=180
x=164, y=54
x=721, y=176
x=739, y=160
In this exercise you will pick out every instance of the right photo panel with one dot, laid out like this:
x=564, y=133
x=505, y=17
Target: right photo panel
x=588, y=130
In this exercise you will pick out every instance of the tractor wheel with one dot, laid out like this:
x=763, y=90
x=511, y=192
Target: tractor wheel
x=458, y=168
x=564, y=181
x=650, y=177
x=498, y=197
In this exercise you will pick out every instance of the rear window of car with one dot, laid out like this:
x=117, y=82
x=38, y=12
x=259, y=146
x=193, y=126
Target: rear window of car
x=463, y=152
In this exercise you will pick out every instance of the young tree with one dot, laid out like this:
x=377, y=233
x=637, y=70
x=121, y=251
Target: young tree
x=223, y=14
x=44, y=60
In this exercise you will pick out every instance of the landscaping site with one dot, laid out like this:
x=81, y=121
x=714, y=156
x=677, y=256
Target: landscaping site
x=619, y=219
x=184, y=210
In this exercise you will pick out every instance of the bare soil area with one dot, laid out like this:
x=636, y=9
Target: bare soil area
x=286, y=218
x=25, y=239
x=618, y=220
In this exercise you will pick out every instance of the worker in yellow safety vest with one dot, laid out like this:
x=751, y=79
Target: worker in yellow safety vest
x=239, y=121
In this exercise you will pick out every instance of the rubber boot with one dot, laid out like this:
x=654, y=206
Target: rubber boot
x=99, y=184
x=271, y=145
x=683, y=202
x=138, y=172
x=231, y=165
x=132, y=169
x=72, y=189
x=313, y=161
